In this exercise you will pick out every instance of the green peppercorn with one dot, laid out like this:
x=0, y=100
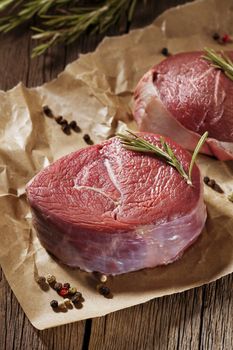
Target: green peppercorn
x=72, y=290
x=51, y=279
x=57, y=286
x=41, y=280
x=54, y=304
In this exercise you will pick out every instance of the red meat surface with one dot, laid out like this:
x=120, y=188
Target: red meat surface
x=107, y=209
x=184, y=96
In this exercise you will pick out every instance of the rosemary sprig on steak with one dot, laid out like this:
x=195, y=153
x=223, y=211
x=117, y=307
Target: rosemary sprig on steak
x=133, y=142
x=219, y=61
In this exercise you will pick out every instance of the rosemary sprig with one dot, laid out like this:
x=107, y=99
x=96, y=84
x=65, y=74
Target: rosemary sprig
x=63, y=21
x=135, y=143
x=219, y=61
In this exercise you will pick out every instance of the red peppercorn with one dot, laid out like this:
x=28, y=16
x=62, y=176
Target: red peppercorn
x=226, y=38
x=63, y=292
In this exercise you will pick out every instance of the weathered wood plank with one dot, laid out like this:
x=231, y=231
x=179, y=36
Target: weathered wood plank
x=197, y=319
x=17, y=333
x=217, y=315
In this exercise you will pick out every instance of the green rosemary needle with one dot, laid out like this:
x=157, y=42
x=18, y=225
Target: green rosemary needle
x=63, y=21
x=219, y=61
x=135, y=143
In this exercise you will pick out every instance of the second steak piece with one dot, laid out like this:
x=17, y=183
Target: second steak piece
x=184, y=96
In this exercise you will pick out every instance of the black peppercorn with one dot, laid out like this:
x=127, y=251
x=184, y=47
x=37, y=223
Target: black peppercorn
x=74, y=126
x=87, y=139
x=211, y=183
x=216, y=36
x=206, y=180
x=66, y=129
x=66, y=285
x=57, y=286
x=47, y=111
x=63, y=122
x=217, y=188
x=103, y=290
x=54, y=304
x=165, y=51
x=59, y=119
x=76, y=297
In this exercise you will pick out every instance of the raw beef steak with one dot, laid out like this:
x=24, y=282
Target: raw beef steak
x=107, y=209
x=184, y=96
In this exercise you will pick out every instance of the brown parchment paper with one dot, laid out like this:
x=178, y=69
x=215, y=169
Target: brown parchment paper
x=96, y=90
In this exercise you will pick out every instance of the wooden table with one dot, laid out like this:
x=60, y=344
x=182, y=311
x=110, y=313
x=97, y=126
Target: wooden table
x=201, y=318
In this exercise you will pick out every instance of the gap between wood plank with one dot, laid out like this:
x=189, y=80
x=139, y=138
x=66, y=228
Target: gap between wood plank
x=87, y=334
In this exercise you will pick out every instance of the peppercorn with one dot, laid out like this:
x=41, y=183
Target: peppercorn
x=76, y=297
x=74, y=126
x=103, y=278
x=211, y=183
x=66, y=285
x=59, y=119
x=216, y=36
x=63, y=122
x=57, y=286
x=41, y=280
x=165, y=51
x=206, y=180
x=62, y=306
x=54, y=304
x=87, y=139
x=99, y=276
x=51, y=279
x=217, y=188
x=47, y=111
x=67, y=302
x=226, y=38
x=103, y=290
x=63, y=292
x=72, y=290
x=66, y=129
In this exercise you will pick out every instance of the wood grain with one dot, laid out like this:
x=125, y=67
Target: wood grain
x=197, y=319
